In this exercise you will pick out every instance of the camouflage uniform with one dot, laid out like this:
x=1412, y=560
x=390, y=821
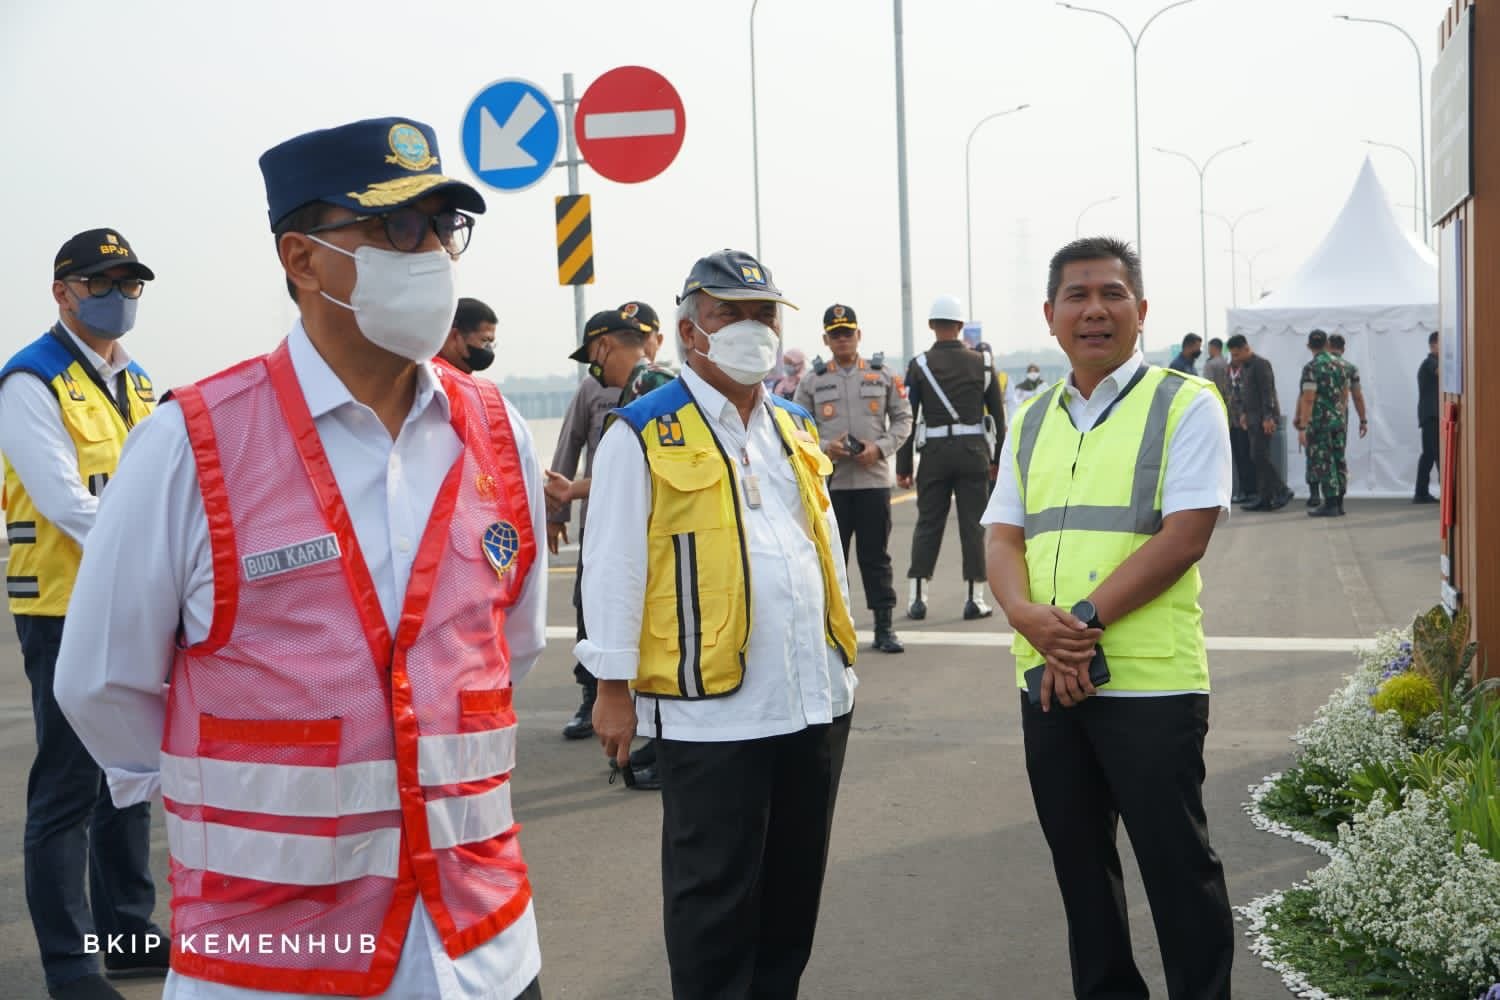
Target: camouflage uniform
x=1327, y=429
x=644, y=377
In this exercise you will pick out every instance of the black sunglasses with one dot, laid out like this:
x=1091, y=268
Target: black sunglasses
x=100, y=285
x=407, y=228
x=839, y=333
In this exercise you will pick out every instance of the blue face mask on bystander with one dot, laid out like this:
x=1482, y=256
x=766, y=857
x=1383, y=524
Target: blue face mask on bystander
x=110, y=316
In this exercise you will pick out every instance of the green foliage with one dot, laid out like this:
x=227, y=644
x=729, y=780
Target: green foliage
x=1474, y=802
x=1441, y=649
x=1412, y=696
x=1310, y=945
x=1290, y=803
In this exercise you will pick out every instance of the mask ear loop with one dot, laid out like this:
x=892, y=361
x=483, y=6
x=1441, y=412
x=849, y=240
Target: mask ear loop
x=346, y=253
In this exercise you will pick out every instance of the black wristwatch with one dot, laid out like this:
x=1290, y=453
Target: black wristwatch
x=1085, y=612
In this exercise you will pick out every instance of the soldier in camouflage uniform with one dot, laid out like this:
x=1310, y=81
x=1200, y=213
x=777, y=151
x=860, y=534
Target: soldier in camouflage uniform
x=1322, y=428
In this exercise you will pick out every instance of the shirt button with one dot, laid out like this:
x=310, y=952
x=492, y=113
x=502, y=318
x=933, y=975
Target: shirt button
x=403, y=544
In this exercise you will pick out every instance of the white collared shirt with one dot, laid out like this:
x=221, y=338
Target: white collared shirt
x=1198, y=474
x=35, y=442
x=793, y=678
x=148, y=563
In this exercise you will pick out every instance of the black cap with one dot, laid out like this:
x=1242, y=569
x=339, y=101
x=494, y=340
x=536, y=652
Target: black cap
x=837, y=317
x=607, y=321
x=97, y=250
x=1317, y=338
x=642, y=314
x=367, y=166
x=732, y=275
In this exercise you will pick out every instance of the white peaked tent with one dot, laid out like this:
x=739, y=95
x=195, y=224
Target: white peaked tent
x=1378, y=286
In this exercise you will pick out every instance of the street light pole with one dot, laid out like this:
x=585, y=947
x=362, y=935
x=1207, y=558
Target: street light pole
x=1135, y=89
x=1078, y=223
x=754, y=129
x=1421, y=110
x=968, y=201
x=1413, y=162
x=1250, y=268
x=1202, y=214
x=907, y=344
x=1234, y=286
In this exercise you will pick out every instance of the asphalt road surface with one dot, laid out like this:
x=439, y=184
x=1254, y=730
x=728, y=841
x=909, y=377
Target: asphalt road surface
x=939, y=883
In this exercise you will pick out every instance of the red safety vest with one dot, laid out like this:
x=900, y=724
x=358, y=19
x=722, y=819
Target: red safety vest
x=319, y=774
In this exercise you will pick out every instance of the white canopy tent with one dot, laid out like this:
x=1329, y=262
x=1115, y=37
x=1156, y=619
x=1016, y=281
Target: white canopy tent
x=1378, y=286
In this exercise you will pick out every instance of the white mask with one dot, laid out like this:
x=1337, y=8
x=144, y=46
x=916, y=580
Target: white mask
x=745, y=351
x=403, y=302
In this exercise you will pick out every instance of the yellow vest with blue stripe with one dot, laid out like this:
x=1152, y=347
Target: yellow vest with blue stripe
x=1091, y=500
x=43, y=558
x=696, y=625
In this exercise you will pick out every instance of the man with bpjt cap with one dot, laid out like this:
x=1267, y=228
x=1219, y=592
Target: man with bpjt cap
x=470, y=346
x=862, y=419
x=713, y=583
x=67, y=402
x=960, y=421
x=332, y=549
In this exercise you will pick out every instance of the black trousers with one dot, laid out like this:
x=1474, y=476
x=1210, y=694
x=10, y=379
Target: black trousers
x=957, y=469
x=74, y=833
x=1244, y=464
x=1429, y=458
x=866, y=515
x=1140, y=760
x=744, y=845
x=1267, y=479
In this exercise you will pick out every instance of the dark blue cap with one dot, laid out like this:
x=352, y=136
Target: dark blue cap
x=733, y=275
x=370, y=166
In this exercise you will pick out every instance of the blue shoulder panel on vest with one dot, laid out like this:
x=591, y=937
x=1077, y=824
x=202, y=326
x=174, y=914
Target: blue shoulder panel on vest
x=668, y=399
x=137, y=369
x=44, y=357
x=793, y=408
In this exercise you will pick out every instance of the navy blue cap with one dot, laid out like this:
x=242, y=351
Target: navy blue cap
x=735, y=276
x=369, y=166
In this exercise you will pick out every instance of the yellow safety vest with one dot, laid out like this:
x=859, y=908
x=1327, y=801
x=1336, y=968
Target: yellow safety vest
x=1091, y=500
x=43, y=558
x=696, y=625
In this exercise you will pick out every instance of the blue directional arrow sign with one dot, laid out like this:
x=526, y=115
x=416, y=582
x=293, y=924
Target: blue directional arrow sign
x=510, y=134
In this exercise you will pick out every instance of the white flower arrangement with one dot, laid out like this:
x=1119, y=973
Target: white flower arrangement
x=1264, y=823
x=1396, y=881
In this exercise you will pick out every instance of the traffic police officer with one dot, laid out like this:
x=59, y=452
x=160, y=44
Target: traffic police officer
x=960, y=419
x=862, y=420
x=67, y=401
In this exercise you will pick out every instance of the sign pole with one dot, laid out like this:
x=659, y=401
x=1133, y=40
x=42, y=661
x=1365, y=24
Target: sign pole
x=569, y=105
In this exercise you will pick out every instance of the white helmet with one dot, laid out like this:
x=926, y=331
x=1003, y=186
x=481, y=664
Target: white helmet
x=947, y=307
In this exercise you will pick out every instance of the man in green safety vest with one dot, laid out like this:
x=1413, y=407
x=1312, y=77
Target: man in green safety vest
x=1109, y=489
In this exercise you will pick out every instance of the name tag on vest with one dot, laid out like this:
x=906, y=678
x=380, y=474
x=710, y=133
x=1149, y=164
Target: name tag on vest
x=324, y=548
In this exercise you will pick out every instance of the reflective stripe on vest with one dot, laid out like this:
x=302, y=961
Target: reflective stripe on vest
x=1091, y=500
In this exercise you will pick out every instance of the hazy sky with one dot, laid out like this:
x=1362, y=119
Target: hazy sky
x=150, y=117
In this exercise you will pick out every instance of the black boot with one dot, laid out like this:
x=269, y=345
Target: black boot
x=1333, y=506
x=1312, y=495
x=885, y=637
x=916, y=609
x=975, y=606
x=581, y=725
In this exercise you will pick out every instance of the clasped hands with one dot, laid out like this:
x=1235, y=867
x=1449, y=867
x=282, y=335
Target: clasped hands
x=1067, y=646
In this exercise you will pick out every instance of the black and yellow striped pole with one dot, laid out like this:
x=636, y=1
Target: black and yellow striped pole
x=575, y=240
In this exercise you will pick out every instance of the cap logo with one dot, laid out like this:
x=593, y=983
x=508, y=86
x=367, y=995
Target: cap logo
x=397, y=191
x=838, y=312
x=111, y=238
x=630, y=310
x=410, y=148
x=752, y=275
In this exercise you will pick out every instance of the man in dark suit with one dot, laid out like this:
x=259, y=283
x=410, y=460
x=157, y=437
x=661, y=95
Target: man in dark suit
x=1427, y=418
x=1260, y=414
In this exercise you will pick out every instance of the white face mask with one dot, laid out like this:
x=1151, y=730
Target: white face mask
x=403, y=302
x=745, y=351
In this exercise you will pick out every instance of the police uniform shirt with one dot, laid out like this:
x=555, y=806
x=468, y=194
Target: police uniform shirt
x=864, y=403
x=581, y=430
x=35, y=442
x=1199, y=472
x=793, y=678
x=148, y=562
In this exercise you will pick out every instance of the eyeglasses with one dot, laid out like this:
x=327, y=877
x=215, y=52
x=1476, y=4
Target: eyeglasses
x=100, y=285
x=407, y=228
x=840, y=333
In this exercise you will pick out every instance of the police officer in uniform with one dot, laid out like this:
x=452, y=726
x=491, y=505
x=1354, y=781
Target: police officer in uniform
x=67, y=401
x=960, y=419
x=862, y=420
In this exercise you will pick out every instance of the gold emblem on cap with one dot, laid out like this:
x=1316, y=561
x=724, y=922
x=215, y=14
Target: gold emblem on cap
x=402, y=189
x=410, y=148
x=630, y=310
x=838, y=312
x=112, y=238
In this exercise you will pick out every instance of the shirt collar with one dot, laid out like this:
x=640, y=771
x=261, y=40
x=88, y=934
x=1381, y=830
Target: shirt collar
x=325, y=392
x=108, y=369
x=1116, y=379
x=711, y=400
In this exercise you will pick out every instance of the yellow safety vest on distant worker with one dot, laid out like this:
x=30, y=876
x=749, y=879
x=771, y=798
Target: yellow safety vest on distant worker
x=1091, y=500
x=696, y=625
x=43, y=558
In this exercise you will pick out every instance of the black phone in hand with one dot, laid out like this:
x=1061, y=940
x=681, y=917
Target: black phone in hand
x=1098, y=675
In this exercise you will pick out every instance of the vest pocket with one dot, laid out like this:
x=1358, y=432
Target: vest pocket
x=90, y=422
x=686, y=498
x=691, y=620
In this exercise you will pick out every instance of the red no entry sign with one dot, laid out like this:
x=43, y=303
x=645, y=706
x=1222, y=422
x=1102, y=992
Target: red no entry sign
x=630, y=124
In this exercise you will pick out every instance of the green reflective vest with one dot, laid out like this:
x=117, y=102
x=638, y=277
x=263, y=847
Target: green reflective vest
x=1092, y=499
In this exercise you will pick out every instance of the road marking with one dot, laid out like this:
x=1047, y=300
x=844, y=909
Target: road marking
x=629, y=124
x=999, y=640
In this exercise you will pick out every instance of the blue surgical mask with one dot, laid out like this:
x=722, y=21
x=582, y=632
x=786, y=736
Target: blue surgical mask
x=110, y=316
